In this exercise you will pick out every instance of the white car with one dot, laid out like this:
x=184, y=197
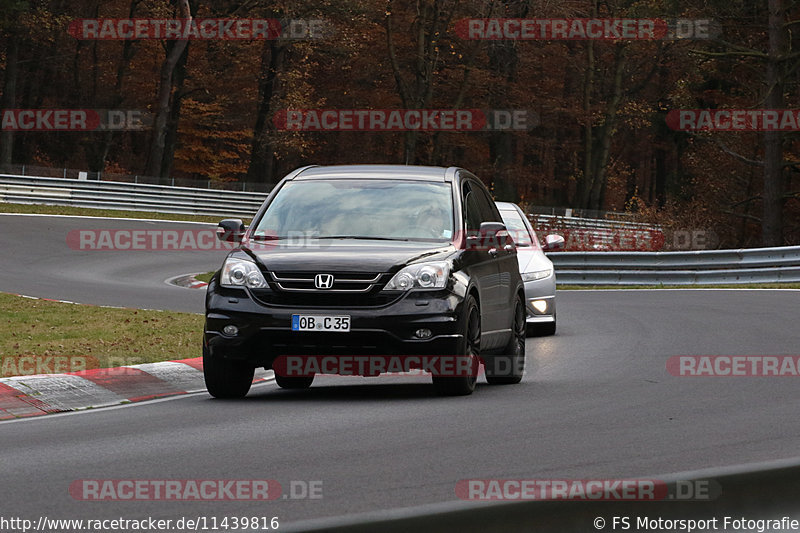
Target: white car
x=536, y=269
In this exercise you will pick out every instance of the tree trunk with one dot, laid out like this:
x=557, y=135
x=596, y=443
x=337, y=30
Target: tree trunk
x=156, y=155
x=585, y=183
x=602, y=152
x=661, y=177
x=171, y=137
x=128, y=51
x=9, y=101
x=262, y=168
x=431, y=21
x=772, y=219
x=503, y=62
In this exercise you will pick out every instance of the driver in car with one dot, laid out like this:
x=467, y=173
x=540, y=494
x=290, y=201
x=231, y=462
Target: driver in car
x=431, y=222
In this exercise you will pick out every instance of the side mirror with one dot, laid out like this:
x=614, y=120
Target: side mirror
x=490, y=237
x=231, y=230
x=553, y=243
x=491, y=229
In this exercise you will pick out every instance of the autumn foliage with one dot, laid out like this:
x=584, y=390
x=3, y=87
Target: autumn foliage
x=601, y=139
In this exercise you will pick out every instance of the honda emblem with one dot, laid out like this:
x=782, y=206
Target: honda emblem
x=323, y=281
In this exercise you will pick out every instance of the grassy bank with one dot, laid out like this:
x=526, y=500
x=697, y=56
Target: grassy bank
x=108, y=337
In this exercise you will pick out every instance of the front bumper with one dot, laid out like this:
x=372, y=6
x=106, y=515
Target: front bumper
x=542, y=291
x=264, y=331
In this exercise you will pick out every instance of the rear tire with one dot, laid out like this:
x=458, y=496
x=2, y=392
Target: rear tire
x=470, y=350
x=226, y=378
x=508, y=368
x=294, y=382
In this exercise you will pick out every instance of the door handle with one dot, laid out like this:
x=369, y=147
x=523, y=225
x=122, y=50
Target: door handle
x=493, y=252
x=508, y=248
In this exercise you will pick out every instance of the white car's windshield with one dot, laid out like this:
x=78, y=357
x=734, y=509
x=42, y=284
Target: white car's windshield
x=517, y=229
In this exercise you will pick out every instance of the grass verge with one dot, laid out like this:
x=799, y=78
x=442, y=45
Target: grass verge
x=108, y=337
x=726, y=286
x=111, y=213
x=205, y=277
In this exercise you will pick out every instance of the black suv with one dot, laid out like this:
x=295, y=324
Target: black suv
x=367, y=260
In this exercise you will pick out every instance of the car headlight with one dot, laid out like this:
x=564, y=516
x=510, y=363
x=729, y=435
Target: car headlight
x=239, y=273
x=420, y=276
x=539, y=274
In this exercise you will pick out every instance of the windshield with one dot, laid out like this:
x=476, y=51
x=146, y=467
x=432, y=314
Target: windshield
x=360, y=209
x=517, y=229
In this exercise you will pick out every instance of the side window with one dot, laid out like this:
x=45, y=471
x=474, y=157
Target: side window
x=489, y=212
x=472, y=212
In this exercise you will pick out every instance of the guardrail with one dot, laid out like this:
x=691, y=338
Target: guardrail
x=587, y=234
x=171, y=181
x=573, y=212
x=556, y=221
x=128, y=196
x=754, y=265
x=760, y=265
x=749, y=492
x=189, y=200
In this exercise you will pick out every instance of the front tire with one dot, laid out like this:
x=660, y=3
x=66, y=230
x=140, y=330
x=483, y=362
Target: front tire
x=508, y=368
x=226, y=378
x=470, y=350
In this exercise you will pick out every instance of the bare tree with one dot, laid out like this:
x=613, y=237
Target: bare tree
x=174, y=51
x=432, y=17
x=9, y=99
x=97, y=150
x=9, y=11
x=778, y=60
x=262, y=159
x=772, y=205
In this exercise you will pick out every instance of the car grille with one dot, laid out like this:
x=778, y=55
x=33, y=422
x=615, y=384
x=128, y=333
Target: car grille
x=349, y=290
x=343, y=282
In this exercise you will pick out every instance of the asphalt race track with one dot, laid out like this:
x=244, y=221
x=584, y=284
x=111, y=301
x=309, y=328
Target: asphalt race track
x=596, y=402
x=38, y=261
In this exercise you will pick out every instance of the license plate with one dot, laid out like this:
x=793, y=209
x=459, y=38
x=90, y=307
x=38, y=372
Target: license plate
x=321, y=323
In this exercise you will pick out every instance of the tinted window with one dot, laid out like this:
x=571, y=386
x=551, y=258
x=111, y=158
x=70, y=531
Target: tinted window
x=472, y=214
x=486, y=205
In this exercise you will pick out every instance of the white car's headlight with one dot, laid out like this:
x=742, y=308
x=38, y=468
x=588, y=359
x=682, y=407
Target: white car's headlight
x=539, y=274
x=241, y=273
x=431, y=275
